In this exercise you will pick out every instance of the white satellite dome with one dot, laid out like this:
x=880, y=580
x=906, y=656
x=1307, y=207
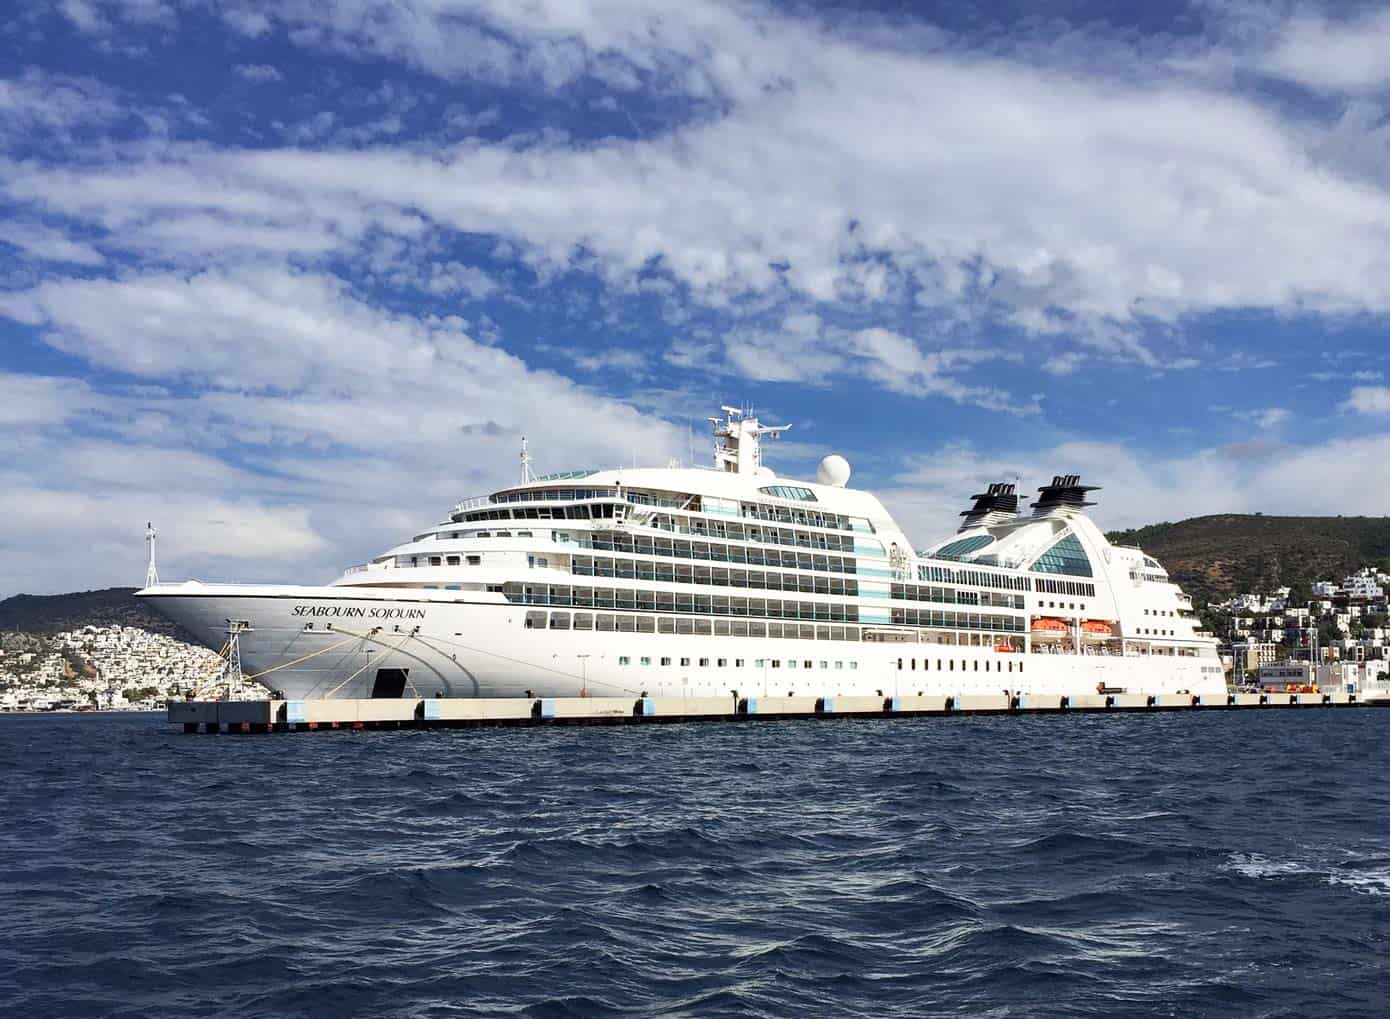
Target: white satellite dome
x=833, y=471
x=765, y=472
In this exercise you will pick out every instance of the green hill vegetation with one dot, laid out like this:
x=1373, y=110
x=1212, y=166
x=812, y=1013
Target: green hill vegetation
x=1216, y=557
x=53, y=613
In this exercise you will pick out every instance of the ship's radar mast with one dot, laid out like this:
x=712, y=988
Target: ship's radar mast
x=527, y=474
x=738, y=441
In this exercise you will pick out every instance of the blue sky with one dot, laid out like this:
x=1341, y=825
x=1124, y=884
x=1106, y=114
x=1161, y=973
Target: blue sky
x=291, y=278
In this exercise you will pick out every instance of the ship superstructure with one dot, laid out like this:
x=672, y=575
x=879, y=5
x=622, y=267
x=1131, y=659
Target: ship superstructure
x=694, y=581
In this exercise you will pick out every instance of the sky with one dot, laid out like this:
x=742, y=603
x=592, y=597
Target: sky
x=291, y=278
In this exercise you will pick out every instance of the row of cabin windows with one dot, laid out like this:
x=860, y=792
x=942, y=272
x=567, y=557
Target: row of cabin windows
x=747, y=510
x=949, y=595
x=973, y=578
x=739, y=663
x=648, y=544
x=684, y=625
x=679, y=601
x=949, y=665
x=1072, y=587
x=960, y=620
x=677, y=573
x=1145, y=631
x=772, y=608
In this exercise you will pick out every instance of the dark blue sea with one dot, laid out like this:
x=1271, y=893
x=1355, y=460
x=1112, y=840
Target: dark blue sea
x=1176, y=865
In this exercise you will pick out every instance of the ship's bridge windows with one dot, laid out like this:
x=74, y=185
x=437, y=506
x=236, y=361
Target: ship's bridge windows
x=1066, y=556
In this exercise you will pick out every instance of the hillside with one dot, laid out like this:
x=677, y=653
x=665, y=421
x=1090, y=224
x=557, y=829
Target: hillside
x=1218, y=556
x=113, y=606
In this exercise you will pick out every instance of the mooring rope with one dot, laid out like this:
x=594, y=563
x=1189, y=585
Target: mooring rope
x=367, y=664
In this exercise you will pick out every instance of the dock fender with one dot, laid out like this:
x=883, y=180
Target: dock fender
x=1065, y=702
x=1151, y=701
x=1109, y=700
x=891, y=704
x=950, y=704
x=748, y=706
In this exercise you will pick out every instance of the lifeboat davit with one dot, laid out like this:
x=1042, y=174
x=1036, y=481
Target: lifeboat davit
x=1098, y=627
x=1050, y=624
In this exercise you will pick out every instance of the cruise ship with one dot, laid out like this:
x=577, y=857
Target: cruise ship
x=730, y=581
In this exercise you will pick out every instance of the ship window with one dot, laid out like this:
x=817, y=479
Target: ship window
x=434, y=560
x=452, y=560
x=646, y=660
x=685, y=662
x=791, y=663
x=559, y=620
x=704, y=663
x=1066, y=556
x=777, y=663
x=854, y=665
x=738, y=663
x=624, y=660
x=963, y=546
x=665, y=661
x=475, y=560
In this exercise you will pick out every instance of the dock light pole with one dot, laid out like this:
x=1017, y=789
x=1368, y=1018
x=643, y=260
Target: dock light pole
x=583, y=675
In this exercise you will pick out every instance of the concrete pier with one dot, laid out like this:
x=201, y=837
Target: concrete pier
x=416, y=713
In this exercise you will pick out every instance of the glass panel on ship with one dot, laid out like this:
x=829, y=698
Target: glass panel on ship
x=794, y=575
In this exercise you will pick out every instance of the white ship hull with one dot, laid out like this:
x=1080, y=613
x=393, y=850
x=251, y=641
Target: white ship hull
x=316, y=642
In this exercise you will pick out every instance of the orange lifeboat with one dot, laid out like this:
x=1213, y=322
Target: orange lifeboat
x=1098, y=627
x=1050, y=624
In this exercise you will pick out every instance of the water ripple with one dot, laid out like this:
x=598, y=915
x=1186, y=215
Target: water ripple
x=1089, y=866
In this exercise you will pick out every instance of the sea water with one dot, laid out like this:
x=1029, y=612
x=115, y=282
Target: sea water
x=1212, y=863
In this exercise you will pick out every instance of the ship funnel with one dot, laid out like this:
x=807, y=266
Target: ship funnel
x=996, y=505
x=1065, y=492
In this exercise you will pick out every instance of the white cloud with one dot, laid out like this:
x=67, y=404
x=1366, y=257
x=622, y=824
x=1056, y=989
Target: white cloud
x=1368, y=400
x=41, y=100
x=259, y=72
x=28, y=401
x=49, y=245
x=84, y=16
x=1139, y=488
x=359, y=424
x=1348, y=55
x=1265, y=417
x=1060, y=202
